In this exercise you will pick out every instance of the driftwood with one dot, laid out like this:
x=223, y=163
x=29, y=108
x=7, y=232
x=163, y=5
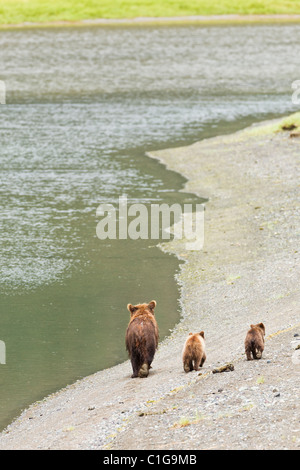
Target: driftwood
x=226, y=368
x=295, y=133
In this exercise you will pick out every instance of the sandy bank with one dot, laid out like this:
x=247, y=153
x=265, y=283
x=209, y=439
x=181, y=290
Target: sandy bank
x=248, y=272
x=200, y=20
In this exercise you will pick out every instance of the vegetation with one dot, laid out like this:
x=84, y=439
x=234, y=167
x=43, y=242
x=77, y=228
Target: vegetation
x=183, y=422
x=290, y=123
x=260, y=380
x=20, y=11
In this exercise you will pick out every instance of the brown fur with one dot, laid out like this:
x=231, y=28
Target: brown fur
x=255, y=341
x=141, y=337
x=193, y=354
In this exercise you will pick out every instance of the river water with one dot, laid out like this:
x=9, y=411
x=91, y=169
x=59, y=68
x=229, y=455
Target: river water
x=83, y=107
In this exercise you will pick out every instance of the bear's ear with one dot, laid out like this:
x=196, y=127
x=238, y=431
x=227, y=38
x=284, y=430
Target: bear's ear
x=131, y=308
x=252, y=326
x=152, y=305
x=190, y=334
x=201, y=334
x=262, y=326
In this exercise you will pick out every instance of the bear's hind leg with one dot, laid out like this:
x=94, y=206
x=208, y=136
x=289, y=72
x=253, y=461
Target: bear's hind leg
x=135, y=367
x=259, y=353
x=188, y=366
x=248, y=354
x=144, y=371
x=203, y=360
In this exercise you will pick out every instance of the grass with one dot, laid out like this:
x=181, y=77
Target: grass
x=289, y=123
x=261, y=380
x=20, y=11
x=184, y=422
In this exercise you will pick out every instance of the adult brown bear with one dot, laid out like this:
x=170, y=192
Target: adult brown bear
x=141, y=337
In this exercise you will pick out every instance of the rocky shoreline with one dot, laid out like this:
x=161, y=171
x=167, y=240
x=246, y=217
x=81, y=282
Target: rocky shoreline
x=248, y=272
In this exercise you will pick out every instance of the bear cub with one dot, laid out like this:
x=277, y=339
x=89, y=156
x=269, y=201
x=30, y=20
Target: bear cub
x=193, y=354
x=141, y=337
x=255, y=341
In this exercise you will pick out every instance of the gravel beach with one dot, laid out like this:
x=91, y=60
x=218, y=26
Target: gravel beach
x=248, y=272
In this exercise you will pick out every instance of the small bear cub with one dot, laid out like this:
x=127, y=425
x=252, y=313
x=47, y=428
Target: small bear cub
x=193, y=354
x=141, y=338
x=255, y=341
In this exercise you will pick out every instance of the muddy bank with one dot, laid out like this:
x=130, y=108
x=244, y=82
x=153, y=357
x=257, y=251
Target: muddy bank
x=247, y=272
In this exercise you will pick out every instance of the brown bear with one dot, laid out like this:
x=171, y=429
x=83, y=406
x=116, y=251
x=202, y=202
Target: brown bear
x=193, y=354
x=141, y=337
x=255, y=341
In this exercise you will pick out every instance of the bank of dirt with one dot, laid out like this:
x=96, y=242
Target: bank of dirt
x=247, y=272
